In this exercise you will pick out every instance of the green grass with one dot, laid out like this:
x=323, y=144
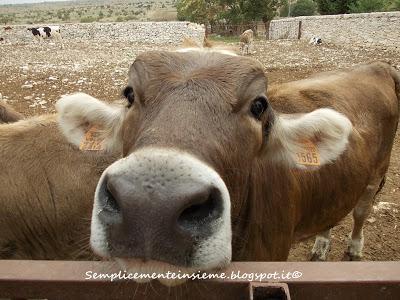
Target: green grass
x=225, y=39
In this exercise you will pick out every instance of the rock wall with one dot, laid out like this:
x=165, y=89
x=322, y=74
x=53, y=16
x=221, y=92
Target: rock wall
x=369, y=29
x=137, y=32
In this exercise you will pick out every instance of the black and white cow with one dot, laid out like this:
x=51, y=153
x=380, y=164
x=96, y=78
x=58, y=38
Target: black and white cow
x=315, y=40
x=46, y=32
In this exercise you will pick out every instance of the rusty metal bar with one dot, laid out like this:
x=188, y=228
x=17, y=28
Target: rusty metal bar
x=262, y=291
x=318, y=280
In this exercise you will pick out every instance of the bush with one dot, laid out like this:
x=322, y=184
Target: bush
x=88, y=19
x=130, y=17
x=284, y=9
x=364, y=6
x=333, y=7
x=303, y=8
x=393, y=5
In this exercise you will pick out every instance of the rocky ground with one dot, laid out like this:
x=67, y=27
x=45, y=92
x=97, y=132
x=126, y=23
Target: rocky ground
x=33, y=76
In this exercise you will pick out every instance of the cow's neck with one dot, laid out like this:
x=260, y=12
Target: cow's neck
x=268, y=217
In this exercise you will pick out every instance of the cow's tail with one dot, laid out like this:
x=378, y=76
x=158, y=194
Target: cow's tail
x=396, y=77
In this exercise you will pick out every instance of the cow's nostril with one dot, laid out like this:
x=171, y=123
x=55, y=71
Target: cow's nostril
x=109, y=209
x=197, y=217
x=110, y=204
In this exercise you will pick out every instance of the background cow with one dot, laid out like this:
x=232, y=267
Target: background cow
x=46, y=191
x=315, y=40
x=215, y=168
x=46, y=32
x=246, y=41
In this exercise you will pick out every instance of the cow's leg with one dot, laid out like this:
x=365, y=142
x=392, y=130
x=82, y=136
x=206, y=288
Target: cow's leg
x=321, y=247
x=360, y=213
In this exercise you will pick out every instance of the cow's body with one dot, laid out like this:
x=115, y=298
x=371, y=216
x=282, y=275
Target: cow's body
x=46, y=191
x=312, y=202
x=8, y=114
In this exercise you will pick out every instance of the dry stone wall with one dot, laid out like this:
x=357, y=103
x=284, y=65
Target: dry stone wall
x=370, y=29
x=139, y=32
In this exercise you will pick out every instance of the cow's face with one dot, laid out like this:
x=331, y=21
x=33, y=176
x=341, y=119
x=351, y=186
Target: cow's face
x=195, y=125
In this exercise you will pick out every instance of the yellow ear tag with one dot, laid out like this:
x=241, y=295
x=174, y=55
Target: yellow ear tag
x=308, y=154
x=92, y=141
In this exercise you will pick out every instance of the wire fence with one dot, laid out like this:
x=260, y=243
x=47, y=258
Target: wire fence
x=237, y=29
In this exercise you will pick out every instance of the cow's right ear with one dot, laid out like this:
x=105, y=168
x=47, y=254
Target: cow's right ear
x=80, y=114
x=309, y=140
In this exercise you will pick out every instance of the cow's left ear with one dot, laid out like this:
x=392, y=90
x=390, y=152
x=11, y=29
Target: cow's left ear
x=309, y=140
x=89, y=123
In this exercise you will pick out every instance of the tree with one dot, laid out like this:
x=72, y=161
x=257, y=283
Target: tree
x=284, y=9
x=261, y=10
x=334, y=7
x=303, y=8
x=363, y=6
x=198, y=11
x=232, y=11
x=393, y=5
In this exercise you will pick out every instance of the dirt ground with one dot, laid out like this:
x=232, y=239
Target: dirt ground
x=33, y=77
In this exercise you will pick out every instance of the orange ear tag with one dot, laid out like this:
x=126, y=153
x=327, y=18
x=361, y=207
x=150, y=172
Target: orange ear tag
x=308, y=154
x=92, y=141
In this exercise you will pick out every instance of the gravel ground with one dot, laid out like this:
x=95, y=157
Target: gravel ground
x=33, y=76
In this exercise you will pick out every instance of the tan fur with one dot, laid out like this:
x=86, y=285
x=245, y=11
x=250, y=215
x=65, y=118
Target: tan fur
x=46, y=191
x=8, y=114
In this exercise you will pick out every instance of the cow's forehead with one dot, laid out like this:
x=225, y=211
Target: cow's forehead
x=207, y=71
x=206, y=62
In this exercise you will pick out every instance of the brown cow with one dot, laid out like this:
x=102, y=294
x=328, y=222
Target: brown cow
x=214, y=170
x=46, y=191
x=246, y=41
x=8, y=114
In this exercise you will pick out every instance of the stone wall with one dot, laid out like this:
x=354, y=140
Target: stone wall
x=370, y=29
x=136, y=32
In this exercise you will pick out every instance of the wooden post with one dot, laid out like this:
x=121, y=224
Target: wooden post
x=299, y=33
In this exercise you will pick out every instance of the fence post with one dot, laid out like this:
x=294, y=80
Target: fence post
x=267, y=29
x=299, y=33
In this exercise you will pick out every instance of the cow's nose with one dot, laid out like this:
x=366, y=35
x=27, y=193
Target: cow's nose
x=150, y=217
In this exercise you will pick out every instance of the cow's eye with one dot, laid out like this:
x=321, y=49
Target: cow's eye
x=259, y=105
x=129, y=95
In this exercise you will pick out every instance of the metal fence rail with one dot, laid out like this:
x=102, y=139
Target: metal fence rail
x=319, y=280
